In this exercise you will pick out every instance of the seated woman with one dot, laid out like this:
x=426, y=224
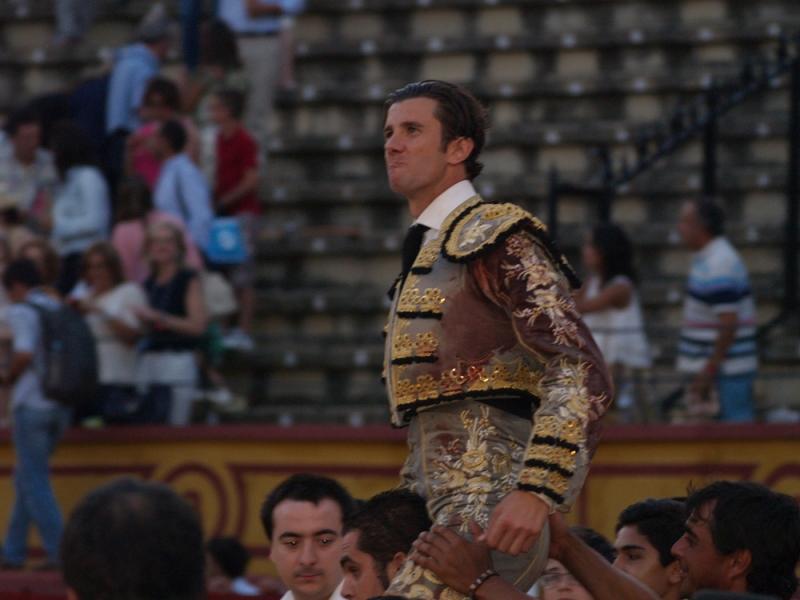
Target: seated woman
x=611, y=309
x=109, y=304
x=176, y=317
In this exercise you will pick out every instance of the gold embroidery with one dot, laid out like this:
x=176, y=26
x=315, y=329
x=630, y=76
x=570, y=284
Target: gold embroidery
x=548, y=297
x=515, y=376
x=424, y=345
x=551, y=426
x=466, y=471
x=482, y=227
x=544, y=477
x=428, y=255
x=451, y=594
x=411, y=301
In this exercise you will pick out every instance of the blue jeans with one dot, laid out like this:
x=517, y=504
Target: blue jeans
x=736, y=397
x=35, y=433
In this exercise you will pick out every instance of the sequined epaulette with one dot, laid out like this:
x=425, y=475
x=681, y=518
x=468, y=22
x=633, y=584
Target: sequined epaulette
x=483, y=226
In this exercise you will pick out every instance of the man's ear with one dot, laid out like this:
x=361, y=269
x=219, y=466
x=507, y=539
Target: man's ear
x=674, y=573
x=739, y=563
x=395, y=564
x=459, y=149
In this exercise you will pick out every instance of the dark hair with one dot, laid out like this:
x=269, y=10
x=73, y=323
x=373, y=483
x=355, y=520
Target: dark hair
x=387, y=524
x=305, y=487
x=71, y=147
x=218, y=45
x=166, y=89
x=661, y=521
x=175, y=134
x=24, y=271
x=615, y=247
x=51, y=263
x=134, y=200
x=131, y=539
x=231, y=556
x=710, y=215
x=596, y=542
x=749, y=516
x=459, y=112
x=110, y=256
x=233, y=100
x=20, y=117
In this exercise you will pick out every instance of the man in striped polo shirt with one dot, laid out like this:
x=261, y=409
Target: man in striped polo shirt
x=718, y=338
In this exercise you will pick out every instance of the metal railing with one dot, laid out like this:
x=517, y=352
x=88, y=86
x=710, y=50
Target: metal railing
x=700, y=117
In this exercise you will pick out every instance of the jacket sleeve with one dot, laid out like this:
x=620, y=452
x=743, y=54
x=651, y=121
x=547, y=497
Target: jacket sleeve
x=574, y=386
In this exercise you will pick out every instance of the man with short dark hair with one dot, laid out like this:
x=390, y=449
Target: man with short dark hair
x=181, y=189
x=740, y=537
x=718, y=339
x=134, y=539
x=303, y=519
x=38, y=421
x=646, y=532
x=487, y=359
x=378, y=536
x=27, y=170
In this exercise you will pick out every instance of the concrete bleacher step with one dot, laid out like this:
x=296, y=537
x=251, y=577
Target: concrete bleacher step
x=559, y=78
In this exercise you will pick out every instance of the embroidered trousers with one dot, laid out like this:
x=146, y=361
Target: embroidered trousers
x=464, y=459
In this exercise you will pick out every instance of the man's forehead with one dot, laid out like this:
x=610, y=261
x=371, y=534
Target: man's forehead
x=630, y=535
x=412, y=109
x=305, y=517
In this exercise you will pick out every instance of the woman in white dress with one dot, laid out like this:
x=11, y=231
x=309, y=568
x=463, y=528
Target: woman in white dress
x=611, y=309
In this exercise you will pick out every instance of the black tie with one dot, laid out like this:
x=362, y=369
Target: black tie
x=411, y=245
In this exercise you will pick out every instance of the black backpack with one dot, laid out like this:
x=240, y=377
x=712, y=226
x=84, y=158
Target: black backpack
x=70, y=356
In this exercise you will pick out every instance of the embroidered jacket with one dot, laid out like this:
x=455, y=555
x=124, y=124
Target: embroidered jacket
x=486, y=312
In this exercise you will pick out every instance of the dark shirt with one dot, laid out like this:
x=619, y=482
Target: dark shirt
x=170, y=298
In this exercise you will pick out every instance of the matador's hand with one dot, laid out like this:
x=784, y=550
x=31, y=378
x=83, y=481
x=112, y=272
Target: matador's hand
x=516, y=523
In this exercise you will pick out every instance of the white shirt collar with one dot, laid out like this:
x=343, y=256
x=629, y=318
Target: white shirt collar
x=436, y=212
x=336, y=595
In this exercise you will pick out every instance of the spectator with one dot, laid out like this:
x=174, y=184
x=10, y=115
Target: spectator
x=610, y=305
x=27, y=170
x=220, y=68
x=73, y=20
x=740, y=537
x=42, y=254
x=161, y=103
x=135, y=214
x=718, y=339
x=38, y=422
x=646, y=532
x=378, y=536
x=12, y=227
x=134, y=66
x=227, y=564
x=176, y=316
x=236, y=195
x=303, y=519
x=182, y=190
x=109, y=305
x=558, y=583
x=257, y=24
x=467, y=566
x=81, y=205
x=133, y=539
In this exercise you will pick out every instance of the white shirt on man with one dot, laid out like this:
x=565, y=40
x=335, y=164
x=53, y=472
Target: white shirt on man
x=336, y=595
x=437, y=211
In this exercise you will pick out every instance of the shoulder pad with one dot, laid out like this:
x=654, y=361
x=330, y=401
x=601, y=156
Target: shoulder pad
x=484, y=226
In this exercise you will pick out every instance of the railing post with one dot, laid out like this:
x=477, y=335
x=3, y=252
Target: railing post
x=553, y=193
x=792, y=241
x=710, y=144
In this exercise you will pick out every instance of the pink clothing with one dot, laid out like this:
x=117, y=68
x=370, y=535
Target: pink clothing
x=128, y=239
x=144, y=161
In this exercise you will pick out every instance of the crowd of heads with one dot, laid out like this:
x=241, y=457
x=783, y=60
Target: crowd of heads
x=134, y=539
